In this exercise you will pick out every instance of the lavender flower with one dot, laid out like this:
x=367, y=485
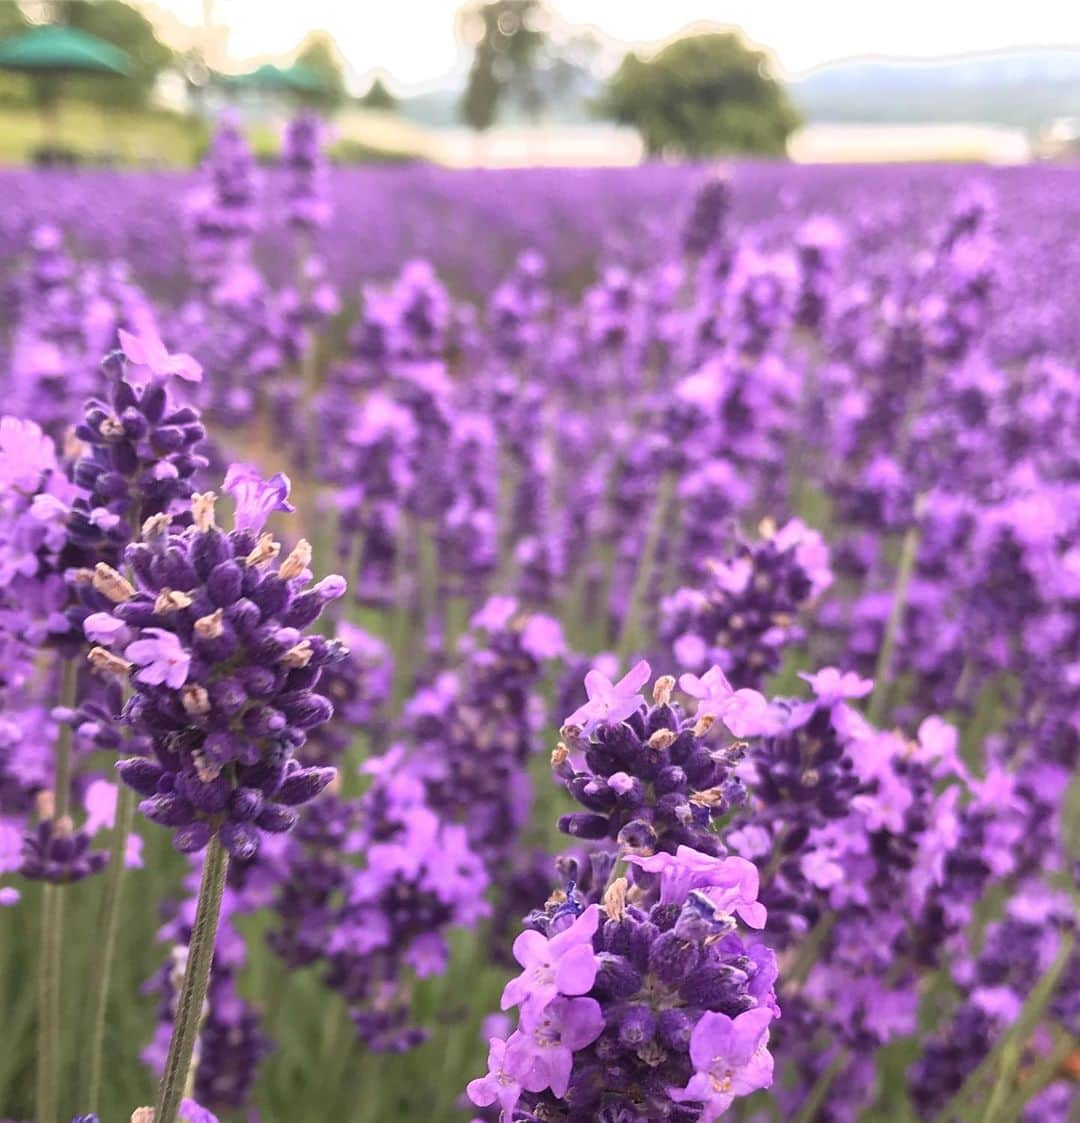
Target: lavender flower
x=628, y=1011
x=649, y=777
x=225, y=688
x=747, y=610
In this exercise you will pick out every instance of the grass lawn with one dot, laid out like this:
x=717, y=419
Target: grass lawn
x=104, y=134
x=142, y=137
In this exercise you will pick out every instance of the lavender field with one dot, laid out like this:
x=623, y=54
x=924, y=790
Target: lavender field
x=539, y=646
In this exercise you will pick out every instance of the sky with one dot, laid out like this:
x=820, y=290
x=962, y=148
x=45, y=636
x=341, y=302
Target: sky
x=414, y=40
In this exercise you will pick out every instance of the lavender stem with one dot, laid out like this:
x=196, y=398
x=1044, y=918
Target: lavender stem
x=108, y=927
x=629, y=637
x=196, y=980
x=884, y=668
x=52, y=925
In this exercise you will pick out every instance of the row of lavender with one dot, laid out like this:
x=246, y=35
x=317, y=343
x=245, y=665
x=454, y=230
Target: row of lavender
x=855, y=891
x=574, y=217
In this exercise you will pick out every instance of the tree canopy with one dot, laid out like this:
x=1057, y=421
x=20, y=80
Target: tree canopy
x=127, y=28
x=378, y=96
x=702, y=95
x=12, y=21
x=507, y=38
x=319, y=53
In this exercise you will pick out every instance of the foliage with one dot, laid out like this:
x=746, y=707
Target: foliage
x=13, y=88
x=347, y=151
x=127, y=28
x=703, y=95
x=507, y=37
x=378, y=97
x=319, y=53
x=122, y=137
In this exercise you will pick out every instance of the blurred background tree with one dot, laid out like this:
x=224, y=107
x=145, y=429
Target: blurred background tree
x=319, y=54
x=13, y=87
x=507, y=38
x=12, y=19
x=703, y=95
x=378, y=97
x=127, y=28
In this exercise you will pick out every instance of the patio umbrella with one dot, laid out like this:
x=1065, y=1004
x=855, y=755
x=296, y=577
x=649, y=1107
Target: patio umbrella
x=58, y=50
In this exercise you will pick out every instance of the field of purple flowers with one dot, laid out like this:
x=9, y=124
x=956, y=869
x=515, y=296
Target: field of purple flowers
x=539, y=647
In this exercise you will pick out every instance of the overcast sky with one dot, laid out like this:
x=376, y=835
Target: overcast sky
x=414, y=39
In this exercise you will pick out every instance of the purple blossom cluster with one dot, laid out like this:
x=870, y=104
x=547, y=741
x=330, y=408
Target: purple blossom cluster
x=627, y=1011
x=772, y=429
x=745, y=613
x=211, y=632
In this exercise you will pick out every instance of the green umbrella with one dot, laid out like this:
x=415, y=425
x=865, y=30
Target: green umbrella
x=55, y=48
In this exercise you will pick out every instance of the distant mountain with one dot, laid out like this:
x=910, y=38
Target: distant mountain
x=437, y=109
x=1025, y=88
x=568, y=92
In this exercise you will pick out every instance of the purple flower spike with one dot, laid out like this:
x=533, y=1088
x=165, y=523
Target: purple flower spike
x=192, y=838
x=240, y=839
x=832, y=685
x=25, y=453
x=225, y=681
x=256, y=498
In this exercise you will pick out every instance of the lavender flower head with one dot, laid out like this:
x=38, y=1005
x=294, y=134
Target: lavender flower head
x=746, y=610
x=649, y=777
x=305, y=162
x=631, y=1012
x=211, y=633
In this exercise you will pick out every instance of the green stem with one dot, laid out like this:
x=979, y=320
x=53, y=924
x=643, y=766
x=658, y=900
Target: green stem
x=1038, y=1000
x=630, y=637
x=196, y=980
x=50, y=1052
x=809, y=950
x=1012, y=1049
x=820, y=1091
x=1042, y=1073
x=427, y=566
x=107, y=928
x=48, y=1066
x=504, y=513
x=884, y=669
x=401, y=624
x=69, y=682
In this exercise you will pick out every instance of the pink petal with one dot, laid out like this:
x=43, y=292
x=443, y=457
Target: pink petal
x=576, y=971
x=530, y=948
x=635, y=678
x=132, y=346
